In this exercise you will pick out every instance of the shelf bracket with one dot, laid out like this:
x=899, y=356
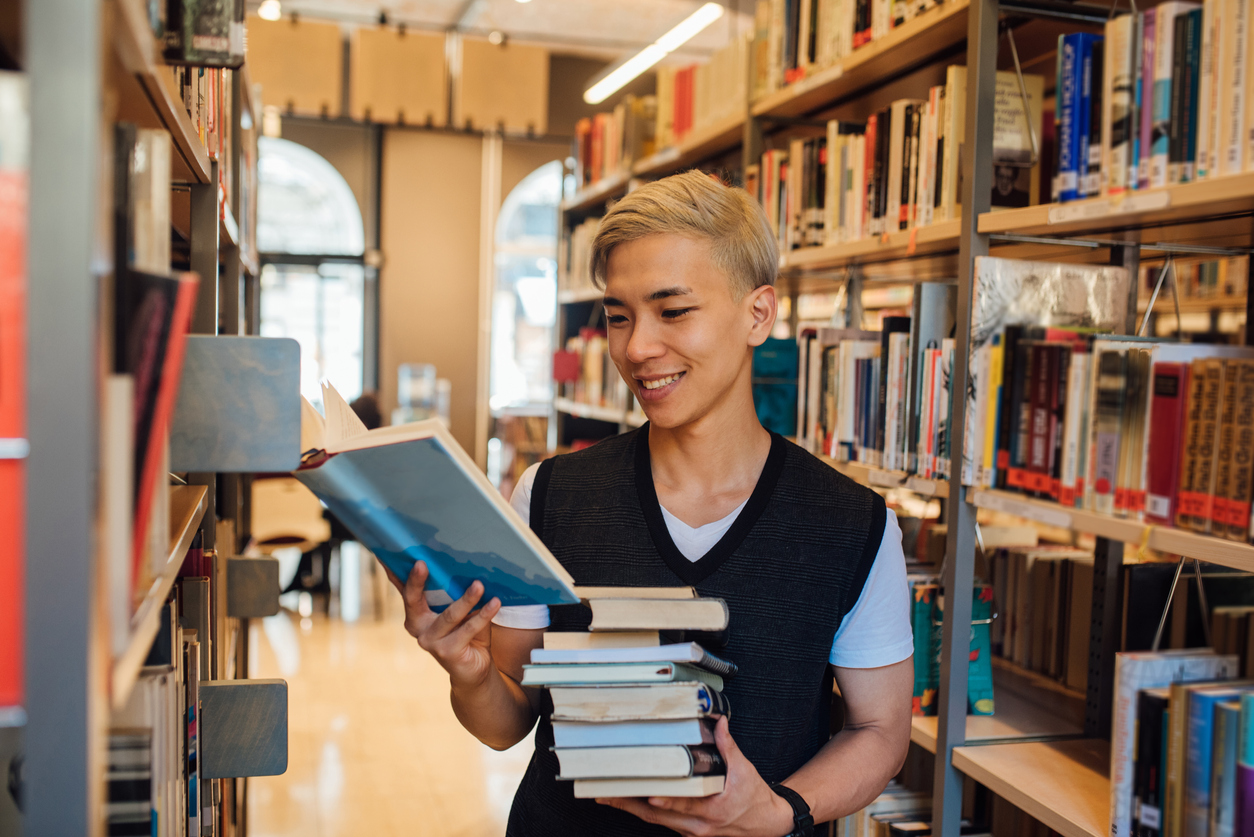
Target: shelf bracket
x=1104, y=637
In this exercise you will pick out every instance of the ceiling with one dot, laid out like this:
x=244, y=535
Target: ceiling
x=602, y=28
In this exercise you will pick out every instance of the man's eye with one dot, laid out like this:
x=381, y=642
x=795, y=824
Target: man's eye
x=675, y=313
x=615, y=319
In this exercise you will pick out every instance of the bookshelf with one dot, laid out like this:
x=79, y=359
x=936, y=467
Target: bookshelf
x=91, y=65
x=1045, y=750
x=702, y=143
x=1063, y=784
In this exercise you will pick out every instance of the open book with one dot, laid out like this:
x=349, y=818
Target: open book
x=410, y=493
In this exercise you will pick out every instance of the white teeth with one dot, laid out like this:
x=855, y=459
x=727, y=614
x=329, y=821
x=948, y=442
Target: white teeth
x=660, y=382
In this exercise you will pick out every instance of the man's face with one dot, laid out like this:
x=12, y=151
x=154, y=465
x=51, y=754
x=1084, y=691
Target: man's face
x=676, y=334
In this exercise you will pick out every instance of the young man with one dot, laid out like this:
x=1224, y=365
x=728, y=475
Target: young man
x=809, y=563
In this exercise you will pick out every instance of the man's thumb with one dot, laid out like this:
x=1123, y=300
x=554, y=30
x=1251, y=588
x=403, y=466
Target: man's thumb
x=724, y=741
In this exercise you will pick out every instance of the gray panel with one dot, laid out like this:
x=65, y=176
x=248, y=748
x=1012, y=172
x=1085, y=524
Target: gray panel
x=243, y=728
x=239, y=406
x=252, y=587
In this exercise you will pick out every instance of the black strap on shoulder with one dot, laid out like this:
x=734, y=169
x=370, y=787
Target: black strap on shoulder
x=539, y=493
x=870, y=548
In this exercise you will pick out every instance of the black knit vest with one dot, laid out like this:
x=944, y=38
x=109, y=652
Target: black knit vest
x=790, y=567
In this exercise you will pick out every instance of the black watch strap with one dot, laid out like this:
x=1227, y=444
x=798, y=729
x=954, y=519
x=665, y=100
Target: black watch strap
x=802, y=821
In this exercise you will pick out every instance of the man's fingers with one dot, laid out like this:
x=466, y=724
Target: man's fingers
x=451, y=619
x=682, y=823
x=476, y=624
x=725, y=743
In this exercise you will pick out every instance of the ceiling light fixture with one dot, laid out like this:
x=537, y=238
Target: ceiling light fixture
x=269, y=10
x=613, y=81
x=524, y=1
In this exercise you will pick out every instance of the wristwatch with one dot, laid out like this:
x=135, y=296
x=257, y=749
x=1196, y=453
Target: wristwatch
x=802, y=821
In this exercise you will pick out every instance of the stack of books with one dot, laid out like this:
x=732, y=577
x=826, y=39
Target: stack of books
x=636, y=698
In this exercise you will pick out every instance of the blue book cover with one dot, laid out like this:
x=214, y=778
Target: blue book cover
x=1090, y=80
x=411, y=493
x=1199, y=763
x=1070, y=111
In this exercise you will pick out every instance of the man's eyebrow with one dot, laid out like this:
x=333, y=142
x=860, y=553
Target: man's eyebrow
x=665, y=293
x=612, y=301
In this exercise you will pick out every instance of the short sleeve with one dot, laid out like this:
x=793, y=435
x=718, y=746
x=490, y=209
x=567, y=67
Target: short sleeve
x=526, y=617
x=877, y=632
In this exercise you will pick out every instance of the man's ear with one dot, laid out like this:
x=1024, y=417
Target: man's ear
x=763, y=306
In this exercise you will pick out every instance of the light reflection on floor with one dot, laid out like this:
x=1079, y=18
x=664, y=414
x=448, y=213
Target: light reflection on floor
x=374, y=748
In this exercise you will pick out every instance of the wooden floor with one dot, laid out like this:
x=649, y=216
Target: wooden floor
x=374, y=747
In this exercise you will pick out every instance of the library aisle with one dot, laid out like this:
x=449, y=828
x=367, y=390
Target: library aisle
x=373, y=746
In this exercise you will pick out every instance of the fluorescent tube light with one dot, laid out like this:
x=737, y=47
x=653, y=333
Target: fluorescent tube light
x=653, y=53
x=269, y=10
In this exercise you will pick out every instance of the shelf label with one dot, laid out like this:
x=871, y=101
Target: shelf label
x=1022, y=508
x=884, y=479
x=1146, y=201
x=1079, y=211
x=919, y=485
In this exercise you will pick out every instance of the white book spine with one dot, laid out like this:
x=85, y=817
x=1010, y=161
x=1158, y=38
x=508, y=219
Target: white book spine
x=1076, y=375
x=1206, y=90
x=890, y=401
x=1117, y=86
x=1164, y=54
x=902, y=383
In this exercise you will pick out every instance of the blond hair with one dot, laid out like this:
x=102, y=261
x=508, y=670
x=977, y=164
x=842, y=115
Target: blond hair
x=696, y=205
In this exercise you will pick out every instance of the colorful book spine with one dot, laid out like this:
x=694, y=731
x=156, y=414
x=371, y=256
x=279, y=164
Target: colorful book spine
x=1169, y=397
x=1145, y=134
x=1069, y=74
x=1243, y=820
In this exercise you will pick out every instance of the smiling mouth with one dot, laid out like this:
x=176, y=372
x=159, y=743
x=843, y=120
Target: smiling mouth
x=661, y=382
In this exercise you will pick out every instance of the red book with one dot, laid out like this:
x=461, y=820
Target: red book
x=1170, y=382
x=163, y=409
x=868, y=176
x=14, y=185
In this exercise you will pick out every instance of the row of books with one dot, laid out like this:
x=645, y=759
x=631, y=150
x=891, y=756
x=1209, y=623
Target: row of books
x=882, y=398
x=574, y=256
x=609, y=143
x=692, y=97
x=1182, y=754
x=796, y=38
x=899, y=169
x=1224, y=278
x=153, y=781
x=584, y=371
x=688, y=98
x=634, y=704
x=1161, y=98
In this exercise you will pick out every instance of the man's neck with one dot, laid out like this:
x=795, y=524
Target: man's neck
x=720, y=455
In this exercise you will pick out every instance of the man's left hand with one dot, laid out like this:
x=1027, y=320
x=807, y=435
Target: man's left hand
x=747, y=807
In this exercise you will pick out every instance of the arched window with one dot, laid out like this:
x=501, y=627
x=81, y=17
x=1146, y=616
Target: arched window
x=312, y=240
x=524, y=303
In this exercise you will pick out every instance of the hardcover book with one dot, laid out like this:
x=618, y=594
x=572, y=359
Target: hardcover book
x=410, y=493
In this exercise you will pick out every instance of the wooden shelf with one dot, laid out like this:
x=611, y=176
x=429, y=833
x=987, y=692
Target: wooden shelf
x=1063, y=784
x=1016, y=718
x=574, y=408
x=704, y=142
x=1234, y=554
x=1191, y=305
x=916, y=255
x=152, y=102
x=879, y=478
x=936, y=30
x=1174, y=205
x=608, y=187
x=187, y=507
x=580, y=295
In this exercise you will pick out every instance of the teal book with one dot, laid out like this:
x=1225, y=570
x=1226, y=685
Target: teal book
x=926, y=675
x=411, y=493
x=1198, y=761
x=980, y=667
x=1224, y=769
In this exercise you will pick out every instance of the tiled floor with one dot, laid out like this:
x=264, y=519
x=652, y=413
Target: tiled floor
x=374, y=748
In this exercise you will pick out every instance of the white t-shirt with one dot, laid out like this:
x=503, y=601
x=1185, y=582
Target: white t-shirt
x=876, y=631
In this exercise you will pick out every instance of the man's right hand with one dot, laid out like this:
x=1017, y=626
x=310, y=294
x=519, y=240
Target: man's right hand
x=460, y=641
